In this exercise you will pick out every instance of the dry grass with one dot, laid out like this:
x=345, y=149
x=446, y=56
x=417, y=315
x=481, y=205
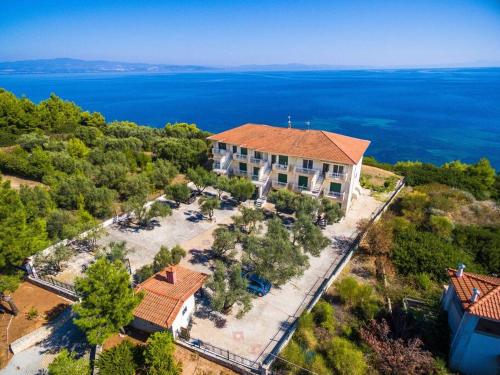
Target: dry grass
x=477, y=213
x=376, y=175
x=16, y=182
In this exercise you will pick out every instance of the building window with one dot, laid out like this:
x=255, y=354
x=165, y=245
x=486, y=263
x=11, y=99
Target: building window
x=488, y=327
x=256, y=171
x=243, y=167
x=244, y=151
x=184, y=310
x=307, y=164
x=282, y=178
x=235, y=149
x=303, y=182
x=222, y=146
x=335, y=187
x=338, y=169
x=283, y=160
x=257, y=155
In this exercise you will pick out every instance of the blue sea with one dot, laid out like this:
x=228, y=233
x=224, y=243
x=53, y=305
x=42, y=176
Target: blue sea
x=434, y=115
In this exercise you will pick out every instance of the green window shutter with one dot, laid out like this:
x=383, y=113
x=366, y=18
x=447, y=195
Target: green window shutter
x=256, y=171
x=244, y=151
x=283, y=160
x=243, y=167
x=282, y=178
x=222, y=146
x=335, y=187
x=303, y=181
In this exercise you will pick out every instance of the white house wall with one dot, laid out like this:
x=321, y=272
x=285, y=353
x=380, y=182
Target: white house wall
x=182, y=319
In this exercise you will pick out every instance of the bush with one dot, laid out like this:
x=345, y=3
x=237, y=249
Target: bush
x=323, y=315
x=66, y=364
x=358, y=296
x=159, y=355
x=120, y=359
x=345, y=358
x=284, y=200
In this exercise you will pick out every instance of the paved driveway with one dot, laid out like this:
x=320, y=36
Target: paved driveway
x=257, y=332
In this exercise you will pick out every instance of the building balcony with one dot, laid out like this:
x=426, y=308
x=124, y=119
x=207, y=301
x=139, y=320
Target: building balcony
x=335, y=195
x=240, y=172
x=336, y=176
x=221, y=167
x=299, y=188
x=280, y=167
x=218, y=151
x=279, y=184
x=240, y=157
x=258, y=161
x=308, y=171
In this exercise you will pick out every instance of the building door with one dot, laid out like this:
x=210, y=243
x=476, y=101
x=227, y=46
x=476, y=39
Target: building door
x=222, y=146
x=243, y=167
x=283, y=160
x=256, y=171
x=303, y=182
x=282, y=178
x=244, y=151
x=326, y=168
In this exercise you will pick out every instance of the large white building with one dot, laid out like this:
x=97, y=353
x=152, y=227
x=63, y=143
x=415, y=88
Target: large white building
x=314, y=162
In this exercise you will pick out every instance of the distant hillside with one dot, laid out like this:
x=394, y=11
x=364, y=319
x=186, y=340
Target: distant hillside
x=65, y=65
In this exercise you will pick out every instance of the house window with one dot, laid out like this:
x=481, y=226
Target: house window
x=244, y=151
x=235, y=149
x=335, y=187
x=338, y=169
x=303, y=181
x=488, y=327
x=184, y=310
x=243, y=167
x=256, y=171
x=283, y=159
x=282, y=178
x=273, y=159
x=257, y=155
x=307, y=164
x=222, y=146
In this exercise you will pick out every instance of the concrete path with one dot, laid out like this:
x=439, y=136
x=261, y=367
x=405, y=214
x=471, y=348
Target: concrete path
x=34, y=360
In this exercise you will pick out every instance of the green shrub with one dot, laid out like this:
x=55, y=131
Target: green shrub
x=120, y=359
x=323, y=315
x=345, y=358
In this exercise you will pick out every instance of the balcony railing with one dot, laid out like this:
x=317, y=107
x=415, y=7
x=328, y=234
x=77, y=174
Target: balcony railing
x=258, y=161
x=337, y=176
x=336, y=195
x=280, y=167
x=310, y=171
x=218, y=151
x=255, y=177
x=241, y=172
x=280, y=183
x=240, y=157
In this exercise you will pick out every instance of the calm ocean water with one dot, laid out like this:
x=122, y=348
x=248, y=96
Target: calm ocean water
x=429, y=115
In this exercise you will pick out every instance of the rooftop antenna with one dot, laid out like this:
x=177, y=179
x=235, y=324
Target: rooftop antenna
x=308, y=123
x=289, y=122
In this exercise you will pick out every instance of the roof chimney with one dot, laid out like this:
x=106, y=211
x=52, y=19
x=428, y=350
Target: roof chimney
x=289, y=122
x=475, y=295
x=460, y=270
x=170, y=274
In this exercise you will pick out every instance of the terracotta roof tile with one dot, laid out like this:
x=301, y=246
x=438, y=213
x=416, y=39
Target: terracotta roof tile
x=163, y=300
x=312, y=144
x=488, y=304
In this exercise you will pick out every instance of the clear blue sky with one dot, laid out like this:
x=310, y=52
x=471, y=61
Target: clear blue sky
x=234, y=32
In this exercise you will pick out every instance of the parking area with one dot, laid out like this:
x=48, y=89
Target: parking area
x=254, y=335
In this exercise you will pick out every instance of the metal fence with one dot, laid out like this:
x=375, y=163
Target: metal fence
x=223, y=354
x=57, y=283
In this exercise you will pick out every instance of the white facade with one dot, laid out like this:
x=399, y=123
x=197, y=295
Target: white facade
x=181, y=320
x=336, y=181
x=473, y=349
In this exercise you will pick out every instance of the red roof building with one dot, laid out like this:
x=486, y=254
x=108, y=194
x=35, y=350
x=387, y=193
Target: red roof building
x=472, y=302
x=168, y=301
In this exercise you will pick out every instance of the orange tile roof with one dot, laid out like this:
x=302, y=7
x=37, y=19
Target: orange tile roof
x=162, y=300
x=311, y=144
x=488, y=304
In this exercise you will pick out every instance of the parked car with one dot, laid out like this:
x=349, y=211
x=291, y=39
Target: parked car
x=257, y=285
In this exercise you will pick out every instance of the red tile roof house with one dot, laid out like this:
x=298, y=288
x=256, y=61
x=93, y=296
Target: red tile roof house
x=473, y=305
x=168, y=300
x=312, y=162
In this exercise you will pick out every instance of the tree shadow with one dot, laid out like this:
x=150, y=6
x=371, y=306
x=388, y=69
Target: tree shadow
x=343, y=243
x=200, y=256
x=194, y=216
x=205, y=311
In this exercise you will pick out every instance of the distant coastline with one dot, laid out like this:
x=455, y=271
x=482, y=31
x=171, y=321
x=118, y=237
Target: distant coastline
x=77, y=66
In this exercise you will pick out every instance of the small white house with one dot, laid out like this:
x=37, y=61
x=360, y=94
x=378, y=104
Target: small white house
x=472, y=302
x=168, y=301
